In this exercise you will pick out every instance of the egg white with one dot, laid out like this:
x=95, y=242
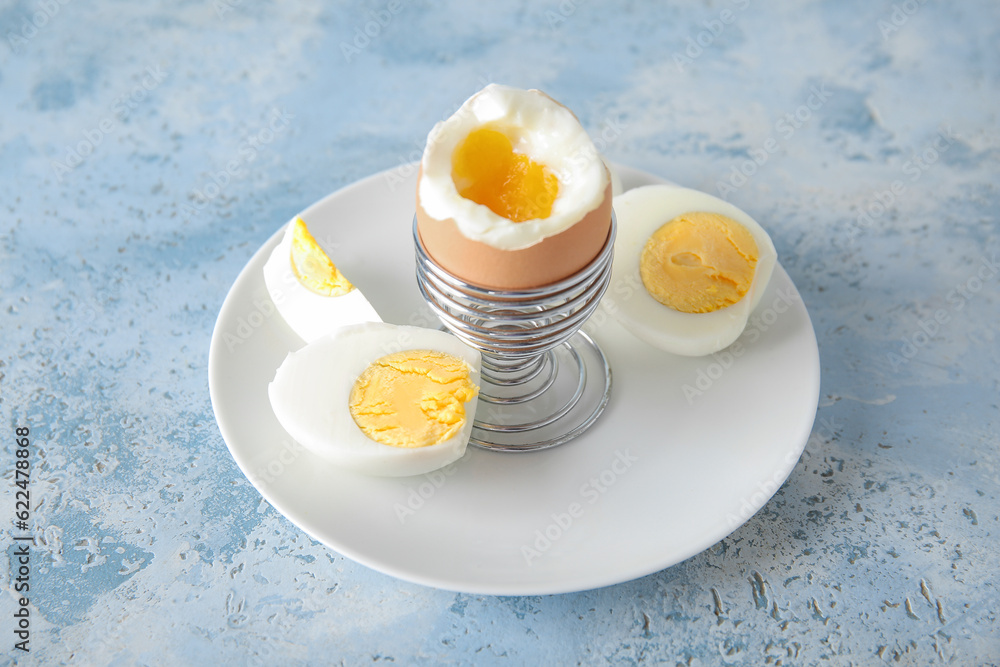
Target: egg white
x=537, y=126
x=311, y=391
x=641, y=212
x=308, y=314
x=616, y=179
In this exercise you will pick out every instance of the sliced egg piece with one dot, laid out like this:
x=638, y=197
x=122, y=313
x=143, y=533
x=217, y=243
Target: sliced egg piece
x=310, y=293
x=642, y=213
x=380, y=399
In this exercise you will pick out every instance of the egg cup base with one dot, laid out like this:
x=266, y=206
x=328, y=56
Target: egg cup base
x=566, y=398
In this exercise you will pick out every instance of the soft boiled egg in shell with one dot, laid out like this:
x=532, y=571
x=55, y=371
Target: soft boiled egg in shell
x=308, y=314
x=641, y=212
x=462, y=182
x=312, y=390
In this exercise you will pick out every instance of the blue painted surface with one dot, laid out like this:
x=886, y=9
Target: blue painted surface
x=154, y=549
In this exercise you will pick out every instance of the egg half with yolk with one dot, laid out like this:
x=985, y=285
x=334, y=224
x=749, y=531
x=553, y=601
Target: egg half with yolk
x=689, y=268
x=380, y=399
x=309, y=291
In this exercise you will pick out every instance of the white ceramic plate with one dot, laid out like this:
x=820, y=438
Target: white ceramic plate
x=664, y=474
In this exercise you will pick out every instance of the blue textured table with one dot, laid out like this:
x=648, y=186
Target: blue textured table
x=148, y=149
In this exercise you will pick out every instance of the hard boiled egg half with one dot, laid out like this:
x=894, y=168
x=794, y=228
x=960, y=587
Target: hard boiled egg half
x=310, y=293
x=380, y=399
x=694, y=267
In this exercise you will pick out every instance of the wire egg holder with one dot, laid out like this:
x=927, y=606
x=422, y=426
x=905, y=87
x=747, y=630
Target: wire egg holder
x=544, y=381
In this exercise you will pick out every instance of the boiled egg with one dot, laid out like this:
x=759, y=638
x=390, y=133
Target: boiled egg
x=380, y=399
x=697, y=266
x=512, y=193
x=311, y=294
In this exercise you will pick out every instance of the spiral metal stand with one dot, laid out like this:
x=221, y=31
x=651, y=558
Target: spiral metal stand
x=544, y=381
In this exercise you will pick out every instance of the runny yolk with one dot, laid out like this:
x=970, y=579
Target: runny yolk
x=413, y=398
x=486, y=170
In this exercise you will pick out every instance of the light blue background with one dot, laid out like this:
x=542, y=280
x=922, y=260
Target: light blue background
x=152, y=548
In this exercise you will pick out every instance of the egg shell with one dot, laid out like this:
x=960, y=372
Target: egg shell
x=641, y=212
x=550, y=260
x=311, y=390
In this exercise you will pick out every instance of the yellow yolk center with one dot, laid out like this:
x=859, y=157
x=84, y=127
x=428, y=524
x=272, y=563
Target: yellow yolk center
x=699, y=262
x=313, y=267
x=414, y=398
x=486, y=170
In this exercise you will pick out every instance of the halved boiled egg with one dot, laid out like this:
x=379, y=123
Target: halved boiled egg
x=311, y=294
x=379, y=398
x=697, y=266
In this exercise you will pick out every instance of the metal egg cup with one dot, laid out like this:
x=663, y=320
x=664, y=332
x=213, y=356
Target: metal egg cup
x=544, y=380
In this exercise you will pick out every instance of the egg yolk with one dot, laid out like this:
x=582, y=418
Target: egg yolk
x=699, y=262
x=313, y=267
x=486, y=170
x=413, y=398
